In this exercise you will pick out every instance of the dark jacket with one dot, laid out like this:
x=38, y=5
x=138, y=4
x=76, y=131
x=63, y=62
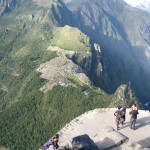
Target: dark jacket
x=123, y=111
x=134, y=114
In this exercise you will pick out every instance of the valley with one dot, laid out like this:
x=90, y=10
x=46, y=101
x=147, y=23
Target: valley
x=58, y=61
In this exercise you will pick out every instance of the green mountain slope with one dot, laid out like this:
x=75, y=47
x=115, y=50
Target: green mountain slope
x=28, y=116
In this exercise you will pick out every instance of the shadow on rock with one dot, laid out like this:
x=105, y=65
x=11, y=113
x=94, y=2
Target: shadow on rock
x=82, y=142
x=142, y=122
x=145, y=142
x=105, y=146
x=127, y=124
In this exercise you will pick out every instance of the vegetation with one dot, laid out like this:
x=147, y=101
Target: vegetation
x=36, y=117
x=74, y=80
x=29, y=117
x=71, y=39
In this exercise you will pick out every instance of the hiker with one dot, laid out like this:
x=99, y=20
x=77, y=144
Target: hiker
x=134, y=107
x=133, y=118
x=52, y=145
x=118, y=116
x=123, y=114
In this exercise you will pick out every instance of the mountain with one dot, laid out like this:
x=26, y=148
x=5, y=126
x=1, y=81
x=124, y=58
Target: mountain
x=141, y=4
x=49, y=67
x=123, y=33
x=46, y=70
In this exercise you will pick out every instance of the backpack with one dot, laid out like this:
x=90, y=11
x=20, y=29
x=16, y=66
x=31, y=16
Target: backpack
x=123, y=111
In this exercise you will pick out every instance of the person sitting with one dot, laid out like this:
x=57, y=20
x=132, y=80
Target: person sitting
x=53, y=144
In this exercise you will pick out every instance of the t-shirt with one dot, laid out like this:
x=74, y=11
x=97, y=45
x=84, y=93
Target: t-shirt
x=134, y=114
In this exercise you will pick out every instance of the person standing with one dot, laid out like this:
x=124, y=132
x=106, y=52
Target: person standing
x=118, y=116
x=133, y=118
x=123, y=114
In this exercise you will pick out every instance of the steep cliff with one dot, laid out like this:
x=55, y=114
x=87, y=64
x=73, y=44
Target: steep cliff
x=123, y=34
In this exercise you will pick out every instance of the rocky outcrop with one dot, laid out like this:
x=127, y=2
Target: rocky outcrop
x=108, y=138
x=99, y=125
x=98, y=55
x=83, y=59
x=80, y=142
x=125, y=95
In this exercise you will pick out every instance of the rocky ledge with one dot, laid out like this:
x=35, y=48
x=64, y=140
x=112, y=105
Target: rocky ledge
x=95, y=130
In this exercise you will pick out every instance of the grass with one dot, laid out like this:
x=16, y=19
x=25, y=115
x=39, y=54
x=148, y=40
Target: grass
x=70, y=39
x=74, y=80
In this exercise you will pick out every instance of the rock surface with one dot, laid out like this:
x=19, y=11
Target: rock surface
x=96, y=125
x=108, y=138
x=82, y=142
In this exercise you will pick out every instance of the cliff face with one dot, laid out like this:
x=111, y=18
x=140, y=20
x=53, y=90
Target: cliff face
x=123, y=34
